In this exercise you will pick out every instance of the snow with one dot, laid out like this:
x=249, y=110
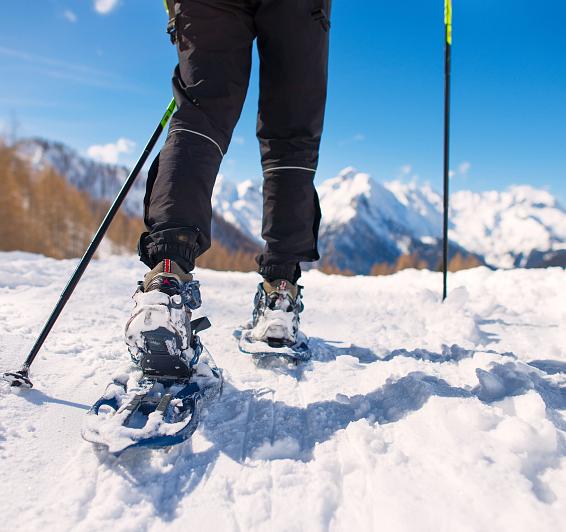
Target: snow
x=507, y=224
x=414, y=415
x=154, y=310
x=239, y=204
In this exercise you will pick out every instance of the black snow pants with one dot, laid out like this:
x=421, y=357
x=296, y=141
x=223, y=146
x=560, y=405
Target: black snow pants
x=214, y=44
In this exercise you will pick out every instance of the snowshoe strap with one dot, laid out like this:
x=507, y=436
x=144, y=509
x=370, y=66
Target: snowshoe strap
x=164, y=403
x=135, y=403
x=200, y=324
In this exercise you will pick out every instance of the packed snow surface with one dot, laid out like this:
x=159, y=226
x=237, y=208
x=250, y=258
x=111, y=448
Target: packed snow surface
x=413, y=415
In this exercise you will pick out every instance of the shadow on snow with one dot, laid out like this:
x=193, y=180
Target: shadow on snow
x=37, y=397
x=248, y=424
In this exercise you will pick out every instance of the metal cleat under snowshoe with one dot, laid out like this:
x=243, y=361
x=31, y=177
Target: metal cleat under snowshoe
x=274, y=329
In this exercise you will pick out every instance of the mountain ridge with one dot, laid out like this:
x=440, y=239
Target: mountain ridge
x=364, y=222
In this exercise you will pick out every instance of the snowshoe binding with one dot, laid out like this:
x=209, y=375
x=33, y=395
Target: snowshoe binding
x=160, y=403
x=274, y=329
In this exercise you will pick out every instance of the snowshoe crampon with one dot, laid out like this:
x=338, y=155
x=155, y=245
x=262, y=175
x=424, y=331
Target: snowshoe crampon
x=262, y=351
x=152, y=410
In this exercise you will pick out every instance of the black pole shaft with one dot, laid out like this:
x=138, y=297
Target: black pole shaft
x=91, y=250
x=447, y=65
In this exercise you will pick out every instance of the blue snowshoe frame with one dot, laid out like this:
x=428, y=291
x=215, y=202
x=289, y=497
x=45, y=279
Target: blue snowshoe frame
x=192, y=394
x=299, y=352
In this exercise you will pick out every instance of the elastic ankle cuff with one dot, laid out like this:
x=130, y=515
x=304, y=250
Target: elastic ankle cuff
x=272, y=272
x=179, y=245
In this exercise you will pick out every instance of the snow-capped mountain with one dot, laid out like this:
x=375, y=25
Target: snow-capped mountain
x=240, y=205
x=237, y=210
x=392, y=207
x=521, y=226
x=423, y=206
x=100, y=180
x=364, y=222
x=506, y=227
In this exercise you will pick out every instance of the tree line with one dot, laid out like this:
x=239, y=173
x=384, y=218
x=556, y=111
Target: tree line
x=456, y=263
x=41, y=212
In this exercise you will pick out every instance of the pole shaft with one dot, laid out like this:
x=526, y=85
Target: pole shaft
x=92, y=247
x=447, y=69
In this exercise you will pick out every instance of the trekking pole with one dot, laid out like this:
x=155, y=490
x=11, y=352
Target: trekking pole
x=21, y=378
x=447, y=50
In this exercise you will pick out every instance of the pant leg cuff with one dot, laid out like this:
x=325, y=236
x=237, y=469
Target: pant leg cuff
x=272, y=272
x=179, y=245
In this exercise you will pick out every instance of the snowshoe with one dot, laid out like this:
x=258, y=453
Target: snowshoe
x=150, y=410
x=160, y=404
x=274, y=329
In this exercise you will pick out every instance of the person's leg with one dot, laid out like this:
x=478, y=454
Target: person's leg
x=293, y=50
x=214, y=40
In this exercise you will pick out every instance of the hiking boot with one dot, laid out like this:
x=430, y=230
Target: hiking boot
x=277, y=305
x=158, y=333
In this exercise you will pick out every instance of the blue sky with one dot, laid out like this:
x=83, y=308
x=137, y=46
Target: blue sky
x=90, y=72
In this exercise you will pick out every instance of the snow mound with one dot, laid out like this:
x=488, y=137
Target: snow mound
x=413, y=415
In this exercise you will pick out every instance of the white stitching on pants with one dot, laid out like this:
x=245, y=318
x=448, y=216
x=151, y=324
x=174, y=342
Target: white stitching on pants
x=289, y=168
x=201, y=135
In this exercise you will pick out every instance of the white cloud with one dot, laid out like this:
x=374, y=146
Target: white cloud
x=405, y=170
x=464, y=168
x=110, y=153
x=71, y=72
x=239, y=140
x=358, y=137
x=70, y=15
x=105, y=6
x=406, y=174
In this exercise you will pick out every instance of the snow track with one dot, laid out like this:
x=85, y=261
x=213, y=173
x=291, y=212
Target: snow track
x=412, y=416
